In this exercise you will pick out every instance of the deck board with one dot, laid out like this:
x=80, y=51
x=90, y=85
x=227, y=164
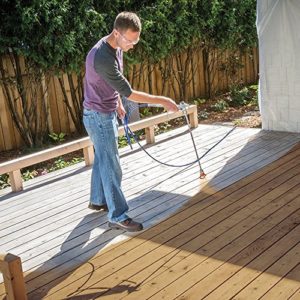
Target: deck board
x=296, y=295
x=183, y=266
x=285, y=287
x=163, y=281
x=202, y=236
x=266, y=279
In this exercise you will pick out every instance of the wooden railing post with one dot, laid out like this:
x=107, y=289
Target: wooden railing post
x=89, y=155
x=150, y=137
x=11, y=268
x=193, y=118
x=16, y=180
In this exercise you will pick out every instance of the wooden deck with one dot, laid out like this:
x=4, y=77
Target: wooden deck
x=235, y=235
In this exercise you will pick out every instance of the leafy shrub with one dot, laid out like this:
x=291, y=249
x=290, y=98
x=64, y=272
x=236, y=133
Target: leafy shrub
x=243, y=95
x=4, y=181
x=27, y=175
x=220, y=106
x=61, y=163
x=199, y=101
x=57, y=137
x=254, y=92
x=203, y=114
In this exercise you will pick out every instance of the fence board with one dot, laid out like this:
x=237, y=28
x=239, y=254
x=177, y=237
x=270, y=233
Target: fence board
x=7, y=137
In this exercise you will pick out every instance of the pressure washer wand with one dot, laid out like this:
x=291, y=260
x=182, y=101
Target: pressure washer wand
x=183, y=107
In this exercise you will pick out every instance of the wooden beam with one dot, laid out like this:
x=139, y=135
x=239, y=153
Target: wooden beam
x=28, y=160
x=16, y=181
x=11, y=268
x=14, y=166
x=193, y=118
x=165, y=117
x=150, y=137
x=89, y=155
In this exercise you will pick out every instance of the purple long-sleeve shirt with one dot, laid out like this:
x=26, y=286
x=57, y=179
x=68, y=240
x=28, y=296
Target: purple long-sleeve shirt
x=104, y=80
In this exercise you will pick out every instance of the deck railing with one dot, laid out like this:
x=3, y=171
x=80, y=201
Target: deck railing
x=11, y=268
x=13, y=167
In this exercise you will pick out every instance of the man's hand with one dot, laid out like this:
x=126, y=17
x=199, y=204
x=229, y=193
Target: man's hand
x=170, y=105
x=121, y=110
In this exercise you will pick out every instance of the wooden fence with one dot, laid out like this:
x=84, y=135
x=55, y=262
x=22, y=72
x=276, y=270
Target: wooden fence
x=193, y=74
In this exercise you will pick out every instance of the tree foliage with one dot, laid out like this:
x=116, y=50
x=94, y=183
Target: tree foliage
x=43, y=38
x=54, y=36
x=173, y=25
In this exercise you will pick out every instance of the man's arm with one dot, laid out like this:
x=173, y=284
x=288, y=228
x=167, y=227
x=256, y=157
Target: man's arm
x=142, y=97
x=108, y=69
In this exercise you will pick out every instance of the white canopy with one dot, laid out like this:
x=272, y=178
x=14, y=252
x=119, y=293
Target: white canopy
x=278, y=27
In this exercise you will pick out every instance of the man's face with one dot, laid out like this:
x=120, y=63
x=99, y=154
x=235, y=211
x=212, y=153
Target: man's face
x=126, y=40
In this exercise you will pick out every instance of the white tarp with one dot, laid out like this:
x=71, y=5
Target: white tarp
x=278, y=27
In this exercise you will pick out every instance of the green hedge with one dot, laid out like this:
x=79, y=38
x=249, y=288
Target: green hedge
x=56, y=34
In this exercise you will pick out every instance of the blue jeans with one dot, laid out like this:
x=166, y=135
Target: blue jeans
x=106, y=173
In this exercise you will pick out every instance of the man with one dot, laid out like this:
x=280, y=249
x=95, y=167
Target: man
x=103, y=86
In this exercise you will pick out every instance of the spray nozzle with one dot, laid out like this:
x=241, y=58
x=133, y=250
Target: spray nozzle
x=183, y=106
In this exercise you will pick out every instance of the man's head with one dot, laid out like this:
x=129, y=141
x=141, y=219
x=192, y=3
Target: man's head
x=127, y=29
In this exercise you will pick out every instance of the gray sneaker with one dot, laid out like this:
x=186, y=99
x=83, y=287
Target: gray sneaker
x=128, y=225
x=98, y=207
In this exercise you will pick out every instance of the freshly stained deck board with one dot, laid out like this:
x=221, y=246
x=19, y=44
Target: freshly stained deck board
x=136, y=295
x=296, y=295
x=217, y=267
x=60, y=240
x=261, y=284
x=285, y=287
x=147, y=260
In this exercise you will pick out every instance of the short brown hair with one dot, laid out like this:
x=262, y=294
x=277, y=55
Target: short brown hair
x=128, y=20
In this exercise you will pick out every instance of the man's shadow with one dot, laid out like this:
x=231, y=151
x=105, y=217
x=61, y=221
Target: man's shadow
x=85, y=241
x=77, y=249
